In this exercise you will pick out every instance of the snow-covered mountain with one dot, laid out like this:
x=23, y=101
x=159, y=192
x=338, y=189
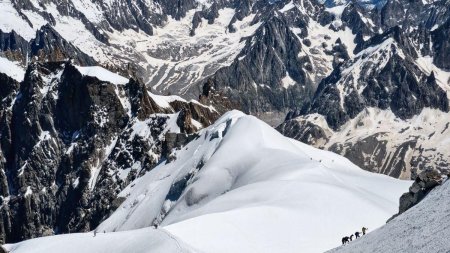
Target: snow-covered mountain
x=266, y=56
x=378, y=141
x=73, y=137
x=97, y=94
x=386, y=108
x=234, y=190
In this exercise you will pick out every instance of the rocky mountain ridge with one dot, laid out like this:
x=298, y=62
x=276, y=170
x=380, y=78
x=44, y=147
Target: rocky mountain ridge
x=266, y=56
x=62, y=168
x=374, y=108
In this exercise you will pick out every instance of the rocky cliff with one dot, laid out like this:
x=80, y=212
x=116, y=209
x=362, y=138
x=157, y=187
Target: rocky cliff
x=71, y=141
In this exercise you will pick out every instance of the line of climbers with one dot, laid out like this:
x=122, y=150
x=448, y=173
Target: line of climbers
x=348, y=239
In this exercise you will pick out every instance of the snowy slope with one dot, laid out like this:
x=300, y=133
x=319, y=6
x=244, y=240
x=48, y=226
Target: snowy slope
x=235, y=190
x=11, y=69
x=102, y=74
x=423, y=228
x=136, y=241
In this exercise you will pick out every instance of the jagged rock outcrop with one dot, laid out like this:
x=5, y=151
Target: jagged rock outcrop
x=441, y=45
x=48, y=45
x=13, y=46
x=306, y=132
x=424, y=183
x=71, y=142
x=369, y=108
x=256, y=77
x=384, y=75
x=376, y=140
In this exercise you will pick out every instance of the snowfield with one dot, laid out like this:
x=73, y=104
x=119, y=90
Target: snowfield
x=241, y=186
x=102, y=74
x=12, y=69
x=136, y=241
x=423, y=228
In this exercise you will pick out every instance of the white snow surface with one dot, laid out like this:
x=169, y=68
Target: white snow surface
x=11, y=20
x=423, y=228
x=102, y=74
x=136, y=241
x=12, y=69
x=257, y=192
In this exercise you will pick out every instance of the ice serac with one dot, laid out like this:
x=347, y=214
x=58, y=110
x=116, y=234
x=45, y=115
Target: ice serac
x=219, y=189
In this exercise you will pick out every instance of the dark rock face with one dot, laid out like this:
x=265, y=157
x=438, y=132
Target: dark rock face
x=210, y=14
x=424, y=183
x=379, y=143
x=48, y=45
x=281, y=64
x=398, y=84
x=441, y=46
x=383, y=161
x=70, y=143
x=306, y=132
x=255, y=80
x=385, y=74
x=352, y=16
x=13, y=46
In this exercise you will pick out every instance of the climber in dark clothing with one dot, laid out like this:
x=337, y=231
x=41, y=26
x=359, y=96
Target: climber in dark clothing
x=364, y=229
x=345, y=240
x=356, y=235
x=351, y=237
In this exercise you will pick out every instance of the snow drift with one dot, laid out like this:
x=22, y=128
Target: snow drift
x=136, y=241
x=240, y=186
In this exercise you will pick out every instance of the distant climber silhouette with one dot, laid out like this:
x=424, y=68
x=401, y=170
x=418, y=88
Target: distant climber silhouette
x=356, y=235
x=351, y=237
x=364, y=229
x=345, y=240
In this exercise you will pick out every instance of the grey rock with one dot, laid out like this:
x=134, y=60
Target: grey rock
x=418, y=191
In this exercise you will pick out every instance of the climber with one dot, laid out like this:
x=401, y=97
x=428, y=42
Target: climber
x=345, y=240
x=356, y=235
x=364, y=229
x=351, y=237
x=95, y=233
